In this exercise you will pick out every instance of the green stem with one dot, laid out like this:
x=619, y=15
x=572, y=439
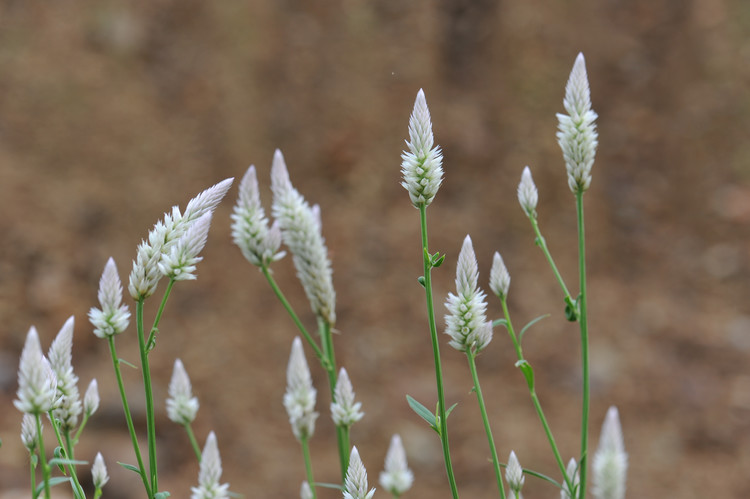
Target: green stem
x=147, y=388
x=470, y=355
x=193, y=441
x=436, y=352
x=308, y=464
x=65, y=446
x=32, y=473
x=341, y=435
x=80, y=429
x=535, y=400
x=272, y=282
x=542, y=243
x=155, y=327
x=128, y=416
x=583, y=321
x=42, y=457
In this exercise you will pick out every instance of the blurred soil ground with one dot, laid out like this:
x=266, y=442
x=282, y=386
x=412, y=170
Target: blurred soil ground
x=113, y=111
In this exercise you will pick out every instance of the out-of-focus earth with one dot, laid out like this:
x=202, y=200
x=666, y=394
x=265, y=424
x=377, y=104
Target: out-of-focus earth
x=111, y=112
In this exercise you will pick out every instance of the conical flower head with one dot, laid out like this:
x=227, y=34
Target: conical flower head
x=113, y=317
x=180, y=263
x=301, y=232
x=37, y=384
x=422, y=164
x=396, y=478
x=344, y=410
x=514, y=473
x=610, y=465
x=299, y=399
x=528, y=197
x=355, y=485
x=577, y=134
x=305, y=492
x=91, y=398
x=182, y=407
x=466, y=316
x=250, y=230
x=61, y=357
x=99, y=472
x=29, y=432
x=572, y=472
x=499, y=276
x=210, y=473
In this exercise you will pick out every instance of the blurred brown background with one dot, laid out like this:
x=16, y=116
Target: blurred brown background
x=113, y=111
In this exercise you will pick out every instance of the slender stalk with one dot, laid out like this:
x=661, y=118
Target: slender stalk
x=342, y=436
x=535, y=400
x=470, y=355
x=128, y=416
x=42, y=457
x=436, y=352
x=193, y=441
x=542, y=243
x=150, y=419
x=272, y=282
x=155, y=327
x=32, y=472
x=583, y=321
x=65, y=446
x=308, y=465
x=80, y=429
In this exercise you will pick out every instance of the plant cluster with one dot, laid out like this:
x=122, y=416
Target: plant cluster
x=47, y=385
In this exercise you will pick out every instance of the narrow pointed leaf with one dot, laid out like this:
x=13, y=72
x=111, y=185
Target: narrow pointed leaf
x=528, y=372
x=531, y=323
x=422, y=411
x=130, y=467
x=123, y=361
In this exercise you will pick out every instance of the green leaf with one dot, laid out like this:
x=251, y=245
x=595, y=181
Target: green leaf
x=531, y=323
x=58, y=452
x=420, y=280
x=437, y=260
x=52, y=482
x=62, y=461
x=528, y=373
x=123, y=361
x=161, y=495
x=536, y=474
x=130, y=467
x=499, y=322
x=450, y=409
x=336, y=486
x=422, y=412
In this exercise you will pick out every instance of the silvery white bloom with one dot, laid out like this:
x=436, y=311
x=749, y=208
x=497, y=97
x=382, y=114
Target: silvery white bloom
x=99, y=472
x=514, y=473
x=528, y=196
x=146, y=273
x=91, y=398
x=465, y=322
x=113, y=317
x=610, y=465
x=305, y=492
x=181, y=405
x=396, y=478
x=299, y=399
x=499, y=276
x=422, y=164
x=572, y=472
x=576, y=130
x=37, y=384
x=355, y=485
x=301, y=231
x=179, y=264
x=60, y=357
x=344, y=411
x=210, y=473
x=29, y=433
x=250, y=231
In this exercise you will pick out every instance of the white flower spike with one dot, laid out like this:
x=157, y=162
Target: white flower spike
x=422, y=164
x=610, y=465
x=499, y=277
x=99, y=472
x=179, y=264
x=305, y=492
x=299, y=399
x=37, y=384
x=301, y=232
x=396, y=478
x=344, y=410
x=355, y=485
x=250, y=231
x=29, y=433
x=113, y=317
x=572, y=472
x=514, y=473
x=577, y=134
x=528, y=197
x=61, y=360
x=210, y=473
x=466, y=320
x=91, y=398
x=182, y=407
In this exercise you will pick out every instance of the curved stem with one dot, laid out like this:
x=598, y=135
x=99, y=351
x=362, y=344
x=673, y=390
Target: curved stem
x=583, y=321
x=128, y=416
x=342, y=435
x=42, y=457
x=436, y=352
x=308, y=465
x=193, y=441
x=147, y=389
x=157, y=319
x=68, y=454
x=482, y=408
x=542, y=243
